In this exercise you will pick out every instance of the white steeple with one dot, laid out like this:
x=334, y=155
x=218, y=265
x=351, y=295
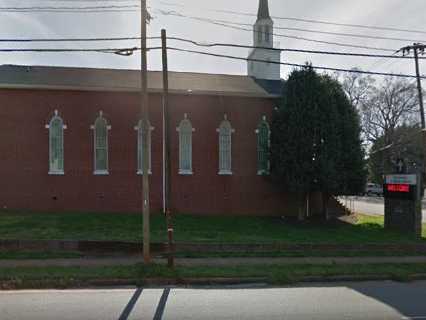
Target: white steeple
x=263, y=37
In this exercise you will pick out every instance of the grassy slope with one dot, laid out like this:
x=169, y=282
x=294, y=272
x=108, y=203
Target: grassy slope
x=127, y=227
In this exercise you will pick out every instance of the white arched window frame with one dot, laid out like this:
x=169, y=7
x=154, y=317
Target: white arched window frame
x=56, y=144
x=225, y=147
x=100, y=145
x=263, y=133
x=139, y=129
x=185, y=130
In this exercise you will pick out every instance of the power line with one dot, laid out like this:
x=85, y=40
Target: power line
x=129, y=51
x=275, y=34
x=354, y=35
x=324, y=22
x=294, y=64
x=119, y=51
x=70, y=8
x=335, y=23
x=74, y=39
x=65, y=9
x=81, y=0
x=71, y=11
x=202, y=44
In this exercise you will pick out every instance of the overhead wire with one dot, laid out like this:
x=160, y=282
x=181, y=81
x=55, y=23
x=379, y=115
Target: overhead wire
x=75, y=39
x=129, y=51
x=212, y=21
x=232, y=45
x=312, y=21
x=79, y=0
x=70, y=8
x=339, y=24
x=207, y=44
x=294, y=64
x=119, y=51
x=353, y=35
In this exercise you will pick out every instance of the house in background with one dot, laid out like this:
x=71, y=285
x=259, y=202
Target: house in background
x=71, y=139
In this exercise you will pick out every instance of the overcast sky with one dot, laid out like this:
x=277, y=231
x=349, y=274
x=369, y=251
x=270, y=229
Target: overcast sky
x=390, y=13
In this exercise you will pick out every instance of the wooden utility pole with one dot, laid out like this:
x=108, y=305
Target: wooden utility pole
x=419, y=48
x=166, y=144
x=146, y=128
x=419, y=81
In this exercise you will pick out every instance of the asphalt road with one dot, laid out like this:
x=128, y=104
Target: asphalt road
x=374, y=205
x=368, y=300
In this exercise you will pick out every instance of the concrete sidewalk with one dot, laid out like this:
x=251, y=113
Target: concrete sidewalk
x=212, y=262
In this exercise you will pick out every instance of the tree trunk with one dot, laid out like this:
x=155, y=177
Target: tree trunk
x=325, y=197
x=301, y=200
x=308, y=207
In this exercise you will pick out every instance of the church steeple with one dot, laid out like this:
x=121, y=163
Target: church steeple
x=263, y=12
x=263, y=37
x=263, y=28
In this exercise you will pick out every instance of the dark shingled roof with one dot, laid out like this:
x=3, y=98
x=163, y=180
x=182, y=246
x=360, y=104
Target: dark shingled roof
x=89, y=79
x=263, y=12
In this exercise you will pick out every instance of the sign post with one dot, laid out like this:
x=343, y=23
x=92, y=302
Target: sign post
x=403, y=207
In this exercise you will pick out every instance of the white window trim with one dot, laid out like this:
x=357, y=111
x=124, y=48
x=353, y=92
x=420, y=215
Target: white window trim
x=226, y=172
x=268, y=171
x=64, y=127
x=101, y=172
x=108, y=127
x=139, y=172
x=185, y=172
x=56, y=173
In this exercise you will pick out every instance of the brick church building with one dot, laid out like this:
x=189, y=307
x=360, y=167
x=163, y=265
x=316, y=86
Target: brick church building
x=70, y=138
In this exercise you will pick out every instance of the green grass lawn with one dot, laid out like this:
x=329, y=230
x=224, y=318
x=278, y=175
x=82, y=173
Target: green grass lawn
x=128, y=227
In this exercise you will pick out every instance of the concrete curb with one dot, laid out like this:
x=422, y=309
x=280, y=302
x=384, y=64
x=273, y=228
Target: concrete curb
x=158, y=282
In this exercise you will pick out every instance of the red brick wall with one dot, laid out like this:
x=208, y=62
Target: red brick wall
x=24, y=179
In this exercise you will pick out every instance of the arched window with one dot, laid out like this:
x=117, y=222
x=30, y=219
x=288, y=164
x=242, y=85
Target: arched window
x=225, y=147
x=263, y=145
x=56, y=145
x=258, y=31
x=267, y=34
x=141, y=131
x=185, y=146
x=100, y=136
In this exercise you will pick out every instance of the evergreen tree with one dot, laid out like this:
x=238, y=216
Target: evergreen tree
x=315, y=139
